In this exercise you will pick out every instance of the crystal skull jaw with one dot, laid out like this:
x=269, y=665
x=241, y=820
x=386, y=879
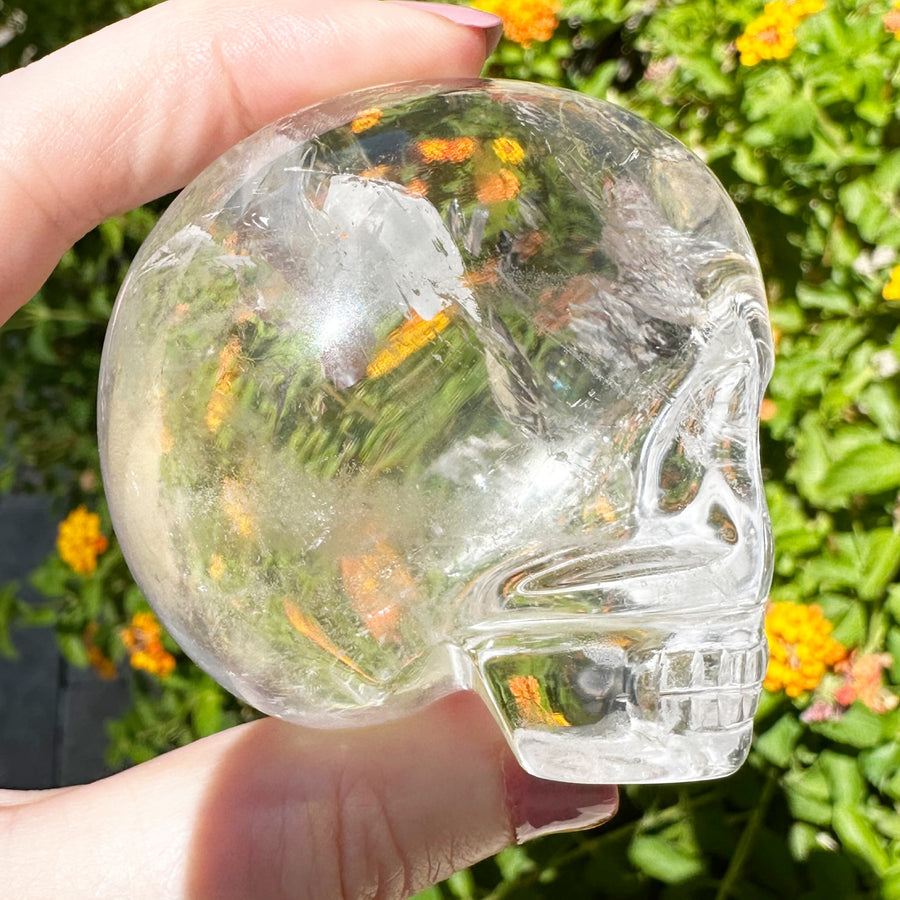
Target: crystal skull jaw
x=362, y=352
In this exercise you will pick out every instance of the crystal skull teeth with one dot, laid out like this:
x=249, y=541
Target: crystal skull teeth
x=441, y=386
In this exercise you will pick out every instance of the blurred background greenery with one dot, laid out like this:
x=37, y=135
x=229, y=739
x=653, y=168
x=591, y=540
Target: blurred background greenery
x=794, y=105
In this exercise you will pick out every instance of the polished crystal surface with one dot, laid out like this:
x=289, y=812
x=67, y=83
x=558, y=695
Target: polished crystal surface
x=456, y=385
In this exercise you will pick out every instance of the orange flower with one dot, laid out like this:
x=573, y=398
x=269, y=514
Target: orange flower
x=442, y=150
x=79, y=541
x=460, y=149
x=366, y=119
x=524, y=21
x=378, y=584
x=414, y=334
x=432, y=149
x=142, y=640
x=533, y=708
x=768, y=410
x=221, y=400
x=891, y=21
x=800, y=647
x=496, y=187
x=311, y=629
x=418, y=187
x=99, y=661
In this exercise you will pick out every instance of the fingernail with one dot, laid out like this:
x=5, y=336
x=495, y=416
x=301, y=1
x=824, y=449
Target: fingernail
x=540, y=807
x=491, y=25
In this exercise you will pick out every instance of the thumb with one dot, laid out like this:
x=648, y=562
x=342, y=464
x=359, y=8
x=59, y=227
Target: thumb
x=272, y=810
x=379, y=812
x=137, y=109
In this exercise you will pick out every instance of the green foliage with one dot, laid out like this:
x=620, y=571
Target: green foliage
x=809, y=149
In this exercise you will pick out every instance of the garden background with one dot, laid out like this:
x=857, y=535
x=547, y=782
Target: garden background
x=794, y=105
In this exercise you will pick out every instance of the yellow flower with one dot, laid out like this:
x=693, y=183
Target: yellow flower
x=236, y=506
x=533, y=708
x=79, y=541
x=216, y=566
x=524, y=21
x=891, y=290
x=366, y=119
x=800, y=647
x=412, y=335
x=508, y=150
x=142, y=640
x=803, y=8
x=771, y=35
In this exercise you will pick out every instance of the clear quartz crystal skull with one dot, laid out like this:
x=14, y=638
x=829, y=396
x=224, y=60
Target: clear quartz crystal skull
x=442, y=386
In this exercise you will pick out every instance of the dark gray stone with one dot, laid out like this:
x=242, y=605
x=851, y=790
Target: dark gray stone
x=52, y=716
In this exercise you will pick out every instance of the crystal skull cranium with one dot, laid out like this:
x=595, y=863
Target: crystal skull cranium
x=442, y=386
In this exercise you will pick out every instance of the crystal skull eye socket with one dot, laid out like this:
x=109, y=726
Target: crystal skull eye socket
x=442, y=386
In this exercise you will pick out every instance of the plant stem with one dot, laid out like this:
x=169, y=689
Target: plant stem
x=747, y=839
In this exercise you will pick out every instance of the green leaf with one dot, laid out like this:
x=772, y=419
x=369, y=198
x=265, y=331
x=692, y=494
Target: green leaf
x=462, y=885
x=9, y=607
x=881, y=562
x=859, y=727
x=661, y=859
x=513, y=862
x=845, y=781
x=432, y=893
x=206, y=714
x=851, y=625
x=867, y=470
x=777, y=744
x=71, y=646
x=880, y=764
x=858, y=837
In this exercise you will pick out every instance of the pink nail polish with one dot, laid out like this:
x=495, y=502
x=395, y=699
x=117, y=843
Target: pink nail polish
x=540, y=807
x=491, y=25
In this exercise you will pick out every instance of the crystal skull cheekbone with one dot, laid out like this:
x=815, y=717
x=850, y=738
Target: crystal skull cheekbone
x=442, y=386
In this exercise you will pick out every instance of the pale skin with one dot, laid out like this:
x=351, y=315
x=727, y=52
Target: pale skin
x=268, y=809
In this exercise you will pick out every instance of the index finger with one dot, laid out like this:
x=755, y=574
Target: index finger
x=139, y=108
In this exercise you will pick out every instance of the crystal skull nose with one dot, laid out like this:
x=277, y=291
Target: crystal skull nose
x=442, y=386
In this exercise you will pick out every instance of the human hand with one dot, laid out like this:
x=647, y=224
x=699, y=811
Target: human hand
x=267, y=809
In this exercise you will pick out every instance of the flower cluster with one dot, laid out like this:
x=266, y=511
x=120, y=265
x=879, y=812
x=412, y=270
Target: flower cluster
x=859, y=678
x=771, y=34
x=143, y=641
x=79, y=541
x=525, y=21
x=800, y=647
